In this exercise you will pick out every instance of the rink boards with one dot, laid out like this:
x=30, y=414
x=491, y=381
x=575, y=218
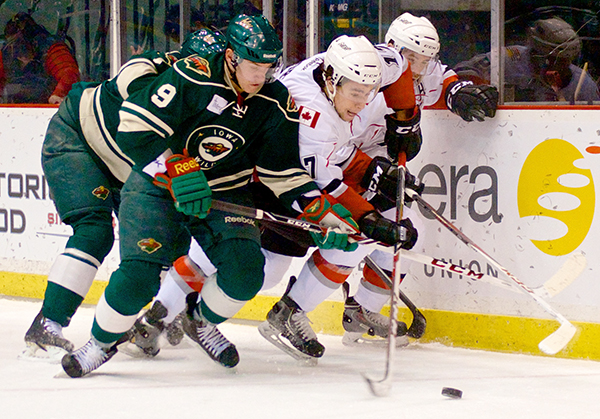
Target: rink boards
x=521, y=186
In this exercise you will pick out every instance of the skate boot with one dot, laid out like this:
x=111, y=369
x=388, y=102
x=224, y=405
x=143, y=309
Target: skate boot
x=210, y=339
x=358, y=321
x=87, y=358
x=175, y=331
x=287, y=320
x=147, y=330
x=44, y=339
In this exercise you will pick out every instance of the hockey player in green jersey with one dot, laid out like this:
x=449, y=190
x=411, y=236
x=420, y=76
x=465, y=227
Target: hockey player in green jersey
x=85, y=170
x=234, y=120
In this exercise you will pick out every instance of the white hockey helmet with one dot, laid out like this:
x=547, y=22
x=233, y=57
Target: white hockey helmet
x=355, y=58
x=414, y=33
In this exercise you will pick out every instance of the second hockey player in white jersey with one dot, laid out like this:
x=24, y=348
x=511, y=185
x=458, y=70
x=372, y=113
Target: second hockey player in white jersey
x=436, y=86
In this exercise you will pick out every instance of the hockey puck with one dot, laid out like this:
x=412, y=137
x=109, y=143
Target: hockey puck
x=453, y=393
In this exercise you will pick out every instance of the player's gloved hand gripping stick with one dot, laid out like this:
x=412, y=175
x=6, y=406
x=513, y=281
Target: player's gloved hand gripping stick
x=187, y=185
x=336, y=219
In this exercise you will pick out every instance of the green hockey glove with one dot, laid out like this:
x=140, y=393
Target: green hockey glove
x=336, y=218
x=187, y=184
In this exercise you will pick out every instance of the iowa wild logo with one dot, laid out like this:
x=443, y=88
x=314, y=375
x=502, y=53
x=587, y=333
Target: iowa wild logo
x=213, y=143
x=215, y=149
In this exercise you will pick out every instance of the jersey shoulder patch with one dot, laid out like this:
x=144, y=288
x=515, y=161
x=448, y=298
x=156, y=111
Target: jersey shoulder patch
x=195, y=68
x=198, y=65
x=308, y=116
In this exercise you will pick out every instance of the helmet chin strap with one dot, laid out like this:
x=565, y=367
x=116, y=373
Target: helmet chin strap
x=231, y=74
x=328, y=93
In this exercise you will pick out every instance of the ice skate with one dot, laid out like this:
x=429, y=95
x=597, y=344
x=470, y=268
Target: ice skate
x=210, y=339
x=174, y=331
x=45, y=340
x=358, y=321
x=87, y=358
x=287, y=320
x=147, y=331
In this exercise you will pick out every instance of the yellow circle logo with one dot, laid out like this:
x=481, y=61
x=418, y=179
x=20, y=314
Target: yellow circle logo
x=557, y=195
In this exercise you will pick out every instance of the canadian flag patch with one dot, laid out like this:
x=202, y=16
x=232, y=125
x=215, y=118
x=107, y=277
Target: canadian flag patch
x=308, y=116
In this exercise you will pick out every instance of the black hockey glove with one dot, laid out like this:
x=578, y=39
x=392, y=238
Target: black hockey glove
x=381, y=178
x=376, y=227
x=403, y=136
x=472, y=101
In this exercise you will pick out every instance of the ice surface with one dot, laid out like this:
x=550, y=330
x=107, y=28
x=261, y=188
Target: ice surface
x=182, y=382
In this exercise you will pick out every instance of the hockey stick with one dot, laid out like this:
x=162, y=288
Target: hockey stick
x=269, y=217
x=419, y=323
x=382, y=387
x=570, y=270
x=552, y=343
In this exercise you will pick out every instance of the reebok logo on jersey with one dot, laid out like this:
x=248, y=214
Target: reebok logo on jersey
x=240, y=219
x=308, y=116
x=101, y=192
x=198, y=65
x=149, y=245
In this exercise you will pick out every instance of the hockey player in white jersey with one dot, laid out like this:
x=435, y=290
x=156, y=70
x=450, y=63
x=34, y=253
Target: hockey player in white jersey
x=331, y=91
x=436, y=86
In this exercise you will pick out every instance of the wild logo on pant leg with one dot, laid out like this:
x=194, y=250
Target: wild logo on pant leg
x=149, y=245
x=101, y=192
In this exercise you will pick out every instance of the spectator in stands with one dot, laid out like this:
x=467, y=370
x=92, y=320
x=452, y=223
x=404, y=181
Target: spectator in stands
x=35, y=67
x=542, y=71
x=171, y=27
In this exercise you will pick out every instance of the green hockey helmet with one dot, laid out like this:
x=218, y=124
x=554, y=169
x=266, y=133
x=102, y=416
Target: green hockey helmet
x=253, y=38
x=203, y=43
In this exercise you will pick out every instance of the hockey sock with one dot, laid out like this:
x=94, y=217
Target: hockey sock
x=69, y=280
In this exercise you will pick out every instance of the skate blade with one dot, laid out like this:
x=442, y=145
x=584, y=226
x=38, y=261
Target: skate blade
x=354, y=339
x=134, y=351
x=273, y=336
x=49, y=354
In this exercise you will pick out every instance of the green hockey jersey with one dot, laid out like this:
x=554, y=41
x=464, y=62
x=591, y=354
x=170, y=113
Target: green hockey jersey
x=99, y=106
x=193, y=106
